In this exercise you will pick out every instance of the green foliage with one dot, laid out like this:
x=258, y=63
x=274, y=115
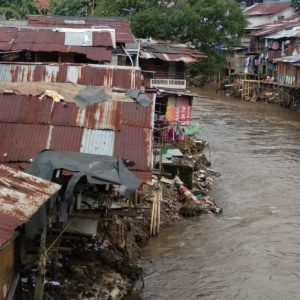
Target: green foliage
x=296, y=2
x=17, y=9
x=122, y=7
x=71, y=7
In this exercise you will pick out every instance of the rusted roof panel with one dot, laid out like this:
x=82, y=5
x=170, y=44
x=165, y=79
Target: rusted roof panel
x=27, y=141
x=122, y=27
x=21, y=142
x=21, y=196
x=90, y=75
x=100, y=116
x=65, y=138
x=134, y=143
x=135, y=115
x=10, y=107
x=64, y=115
x=102, y=39
x=266, y=9
x=54, y=41
x=8, y=226
x=7, y=132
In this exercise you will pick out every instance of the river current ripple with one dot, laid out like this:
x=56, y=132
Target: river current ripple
x=252, y=251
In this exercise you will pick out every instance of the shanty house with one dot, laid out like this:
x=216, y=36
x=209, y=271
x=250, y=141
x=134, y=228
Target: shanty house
x=90, y=120
x=164, y=63
x=126, y=47
x=71, y=40
x=21, y=197
x=263, y=13
x=286, y=70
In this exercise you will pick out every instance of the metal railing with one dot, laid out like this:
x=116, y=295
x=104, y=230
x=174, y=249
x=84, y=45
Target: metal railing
x=168, y=83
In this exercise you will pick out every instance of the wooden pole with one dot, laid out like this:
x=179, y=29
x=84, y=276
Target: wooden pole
x=39, y=288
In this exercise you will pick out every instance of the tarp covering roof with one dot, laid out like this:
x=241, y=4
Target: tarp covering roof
x=21, y=196
x=97, y=169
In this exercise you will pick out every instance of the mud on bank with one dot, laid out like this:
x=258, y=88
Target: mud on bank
x=107, y=266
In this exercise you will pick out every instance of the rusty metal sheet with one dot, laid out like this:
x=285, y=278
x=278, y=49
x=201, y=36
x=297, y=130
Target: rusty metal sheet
x=110, y=76
x=64, y=114
x=135, y=115
x=134, y=143
x=8, y=226
x=102, y=39
x=27, y=141
x=98, y=53
x=11, y=107
x=35, y=111
x=65, y=138
x=100, y=116
x=122, y=26
x=7, y=131
x=21, y=196
x=24, y=109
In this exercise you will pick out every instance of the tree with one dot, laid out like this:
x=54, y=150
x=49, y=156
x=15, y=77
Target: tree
x=206, y=24
x=18, y=9
x=71, y=7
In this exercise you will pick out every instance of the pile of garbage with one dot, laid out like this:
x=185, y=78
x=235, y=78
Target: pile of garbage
x=105, y=266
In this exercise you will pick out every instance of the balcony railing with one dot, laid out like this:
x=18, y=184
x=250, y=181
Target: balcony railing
x=168, y=83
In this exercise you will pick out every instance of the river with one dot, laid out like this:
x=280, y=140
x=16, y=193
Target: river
x=251, y=251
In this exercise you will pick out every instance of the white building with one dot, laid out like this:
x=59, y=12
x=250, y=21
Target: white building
x=263, y=13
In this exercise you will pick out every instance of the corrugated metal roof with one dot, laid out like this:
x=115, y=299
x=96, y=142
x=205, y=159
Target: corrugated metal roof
x=65, y=138
x=266, y=9
x=277, y=26
x=135, y=144
x=95, y=75
x=288, y=59
x=284, y=34
x=54, y=41
x=21, y=196
x=98, y=142
x=121, y=25
x=27, y=140
x=122, y=129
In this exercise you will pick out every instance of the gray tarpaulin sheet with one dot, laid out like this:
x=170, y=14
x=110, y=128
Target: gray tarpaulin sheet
x=140, y=97
x=91, y=95
x=97, y=169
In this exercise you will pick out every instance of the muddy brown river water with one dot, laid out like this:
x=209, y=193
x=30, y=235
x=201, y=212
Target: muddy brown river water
x=252, y=251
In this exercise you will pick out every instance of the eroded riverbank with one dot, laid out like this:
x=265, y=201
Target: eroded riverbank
x=252, y=251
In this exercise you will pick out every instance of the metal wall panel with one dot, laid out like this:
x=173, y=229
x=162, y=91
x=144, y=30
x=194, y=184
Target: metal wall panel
x=134, y=143
x=65, y=138
x=99, y=142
